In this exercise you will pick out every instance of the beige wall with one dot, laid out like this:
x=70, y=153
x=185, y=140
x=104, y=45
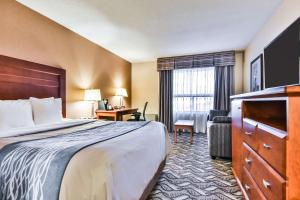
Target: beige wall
x=145, y=86
x=28, y=35
x=286, y=13
x=238, y=72
x=145, y=83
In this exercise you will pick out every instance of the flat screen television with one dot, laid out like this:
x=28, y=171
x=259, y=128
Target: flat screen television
x=282, y=58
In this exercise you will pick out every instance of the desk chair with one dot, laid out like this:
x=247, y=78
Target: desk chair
x=137, y=115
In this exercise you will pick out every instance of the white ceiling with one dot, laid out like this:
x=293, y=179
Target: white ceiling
x=143, y=30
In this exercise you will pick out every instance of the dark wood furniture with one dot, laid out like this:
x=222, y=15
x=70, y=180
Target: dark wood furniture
x=266, y=143
x=21, y=79
x=184, y=124
x=116, y=115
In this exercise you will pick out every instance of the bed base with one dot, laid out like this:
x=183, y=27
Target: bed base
x=153, y=181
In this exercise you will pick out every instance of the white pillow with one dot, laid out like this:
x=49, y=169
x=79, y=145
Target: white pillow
x=58, y=103
x=15, y=114
x=45, y=111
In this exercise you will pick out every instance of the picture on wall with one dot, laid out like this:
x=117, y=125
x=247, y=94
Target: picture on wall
x=256, y=74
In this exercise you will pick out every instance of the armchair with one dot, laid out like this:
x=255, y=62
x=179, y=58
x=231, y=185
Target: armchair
x=219, y=134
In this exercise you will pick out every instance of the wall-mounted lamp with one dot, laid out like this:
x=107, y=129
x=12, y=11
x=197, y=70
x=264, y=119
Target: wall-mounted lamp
x=92, y=95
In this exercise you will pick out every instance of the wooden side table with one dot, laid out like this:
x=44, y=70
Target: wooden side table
x=184, y=124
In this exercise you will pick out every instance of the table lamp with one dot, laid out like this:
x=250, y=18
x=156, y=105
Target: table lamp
x=121, y=92
x=92, y=95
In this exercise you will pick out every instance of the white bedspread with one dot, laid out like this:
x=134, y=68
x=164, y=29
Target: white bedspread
x=118, y=169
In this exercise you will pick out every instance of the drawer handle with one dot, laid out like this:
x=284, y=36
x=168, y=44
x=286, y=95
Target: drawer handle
x=266, y=184
x=248, y=161
x=249, y=133
x=239, y=108
x=247, y=187
x=266, y=146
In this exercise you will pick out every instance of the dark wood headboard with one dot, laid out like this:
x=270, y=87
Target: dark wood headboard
x=20, y=79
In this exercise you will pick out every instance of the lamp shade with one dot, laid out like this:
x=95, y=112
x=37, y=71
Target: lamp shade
x=121, y=92
x=92, y=95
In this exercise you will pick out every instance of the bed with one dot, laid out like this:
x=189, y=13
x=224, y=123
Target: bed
x=74, y=159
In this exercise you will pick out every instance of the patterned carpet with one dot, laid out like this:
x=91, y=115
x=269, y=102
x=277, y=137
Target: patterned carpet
x=190, y=173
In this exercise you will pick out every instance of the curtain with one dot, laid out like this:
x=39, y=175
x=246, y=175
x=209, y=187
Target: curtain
x=224, y=87
x=226, y=58
x=166, y=98
x=193, y=91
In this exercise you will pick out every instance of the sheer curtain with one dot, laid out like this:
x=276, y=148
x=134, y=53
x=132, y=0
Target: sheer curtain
x=193, y=91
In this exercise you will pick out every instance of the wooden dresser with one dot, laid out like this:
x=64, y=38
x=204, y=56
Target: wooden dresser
x=266, y=143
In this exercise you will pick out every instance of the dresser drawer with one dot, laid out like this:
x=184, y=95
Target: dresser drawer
x=268, y=180
x=250, y=187
x=272, y=148
x=250, y=133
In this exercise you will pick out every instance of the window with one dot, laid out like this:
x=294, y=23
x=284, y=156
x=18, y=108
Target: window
x=193, y=89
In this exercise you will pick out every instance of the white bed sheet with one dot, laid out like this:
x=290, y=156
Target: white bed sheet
x=117, y=169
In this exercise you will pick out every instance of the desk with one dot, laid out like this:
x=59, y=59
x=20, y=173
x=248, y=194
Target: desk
x=117, y=114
